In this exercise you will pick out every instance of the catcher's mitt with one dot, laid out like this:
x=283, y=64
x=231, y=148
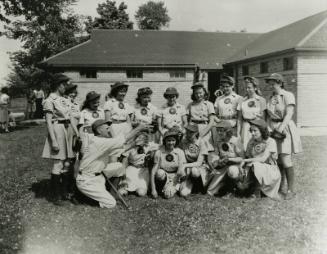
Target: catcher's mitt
x=277, y=135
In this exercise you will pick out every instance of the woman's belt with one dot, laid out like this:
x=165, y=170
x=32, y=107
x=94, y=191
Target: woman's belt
x=63, y=121
x=247, y=120
x=227, y=117
x=276, y=120
x=200, y=121
x=119, y=121
x=95, y=174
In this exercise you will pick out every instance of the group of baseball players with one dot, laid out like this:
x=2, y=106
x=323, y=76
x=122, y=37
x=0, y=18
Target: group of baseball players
x=240, y=145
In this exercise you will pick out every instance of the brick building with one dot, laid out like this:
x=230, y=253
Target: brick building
x=167, y=58
x=158, y=59
x=299, y=52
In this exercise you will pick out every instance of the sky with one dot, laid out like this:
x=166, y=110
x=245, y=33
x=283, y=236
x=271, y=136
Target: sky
x=258, y=16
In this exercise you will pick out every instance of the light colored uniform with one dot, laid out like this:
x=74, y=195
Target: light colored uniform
x=146, y=115
x=231, y=149
x=192, y=152
x=267, y=173
x=276, y=108
x=199, y=114
x=4, y=101
x=119, y=113
x=227, y=107
x=172, y=116
x=168, y=165
x=59, y=108
x=137, y=175
x=250, y=108
x=88, y=117
x=95, y=160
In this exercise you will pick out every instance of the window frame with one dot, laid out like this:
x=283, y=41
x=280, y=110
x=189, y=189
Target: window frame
x=88, y=74
x=130, y=74
x=245, y=67
x=172, y=74
x=287, y=64
x=264, y=67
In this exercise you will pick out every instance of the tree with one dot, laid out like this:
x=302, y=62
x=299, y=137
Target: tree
x=152, y=16
x=47, y=28
x=110, y=17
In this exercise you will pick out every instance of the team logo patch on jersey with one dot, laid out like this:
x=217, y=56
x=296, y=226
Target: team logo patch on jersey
x=259, y=148
x=274, y=100
x=121, y=105
x=95, y=114
x=144, y=111
x=227, y=101
x=225, y=147
x=251, y=104
x=172, y=111
x=193, y=149
x=169, y=157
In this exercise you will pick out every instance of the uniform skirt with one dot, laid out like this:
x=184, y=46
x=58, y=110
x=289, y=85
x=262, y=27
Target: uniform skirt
x=64, y=137
x=137, y=178
x=292, y=142
x=121, y=128
x=245, y=134
x=4, y=115
x=208, y=138
x=268, y=177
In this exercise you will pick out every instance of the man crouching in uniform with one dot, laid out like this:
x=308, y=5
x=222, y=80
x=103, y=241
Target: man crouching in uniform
x=95, y=167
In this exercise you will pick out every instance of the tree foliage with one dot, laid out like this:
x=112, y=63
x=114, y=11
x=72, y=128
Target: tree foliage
x=152, y=16
x=110, y=17
x=44, y=27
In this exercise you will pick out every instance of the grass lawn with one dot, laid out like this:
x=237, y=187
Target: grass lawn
x=201, y=224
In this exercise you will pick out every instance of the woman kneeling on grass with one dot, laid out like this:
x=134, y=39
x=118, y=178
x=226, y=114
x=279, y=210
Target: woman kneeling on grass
x=227, y=157
x=137, y=163
x=261, y=154
x=168, y=163
x=196, y=154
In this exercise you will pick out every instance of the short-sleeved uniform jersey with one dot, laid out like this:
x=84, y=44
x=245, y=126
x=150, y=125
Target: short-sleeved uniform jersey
x=119, y=110
x=200, y=111
x=226, y=106
x=169, y=161
x=172, y=115
x=146, y=114
x=88, y=117
x=252, y=108
x=192, y=151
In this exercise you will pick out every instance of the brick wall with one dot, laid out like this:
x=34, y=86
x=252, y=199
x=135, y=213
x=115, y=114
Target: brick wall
x=275, y=64
x=158, y=80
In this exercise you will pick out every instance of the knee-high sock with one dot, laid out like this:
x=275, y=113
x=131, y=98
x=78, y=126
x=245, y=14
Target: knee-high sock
x=290, y=178
x=283, y=178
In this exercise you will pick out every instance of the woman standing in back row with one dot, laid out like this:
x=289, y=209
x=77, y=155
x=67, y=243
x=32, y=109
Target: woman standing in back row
x=280, y=109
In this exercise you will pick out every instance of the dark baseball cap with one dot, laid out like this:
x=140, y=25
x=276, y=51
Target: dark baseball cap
x=98, y=123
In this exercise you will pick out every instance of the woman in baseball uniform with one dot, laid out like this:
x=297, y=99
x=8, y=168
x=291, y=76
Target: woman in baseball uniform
x=201, y=112
x=225, y=161
x=196, y=159
x=226, y=104
x=280, y=109
x=172, y=114
x=91, y=111
x=251, y=107
x=168, y=165
x=58, y=144
x=117, y=111
x=137, y=161
x=4, y=112
x=261, y=157
x=145, y=112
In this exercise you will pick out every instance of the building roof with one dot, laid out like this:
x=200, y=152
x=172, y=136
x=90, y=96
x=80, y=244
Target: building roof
x=109, y=48
x=306, y=34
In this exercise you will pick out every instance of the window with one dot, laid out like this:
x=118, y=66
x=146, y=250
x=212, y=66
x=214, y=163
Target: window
x=245, y=70
x=177, y=74
x=263, y=67
x=288, y=63
x=88, y=74
x=134, y=74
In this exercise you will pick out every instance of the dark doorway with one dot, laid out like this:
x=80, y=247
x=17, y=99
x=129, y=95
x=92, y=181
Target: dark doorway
x=213, y=83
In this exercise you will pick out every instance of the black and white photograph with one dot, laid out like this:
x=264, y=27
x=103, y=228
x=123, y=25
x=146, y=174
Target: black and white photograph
x=163, y=126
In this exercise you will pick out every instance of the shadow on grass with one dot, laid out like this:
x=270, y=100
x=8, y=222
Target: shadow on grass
x=43, y=190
